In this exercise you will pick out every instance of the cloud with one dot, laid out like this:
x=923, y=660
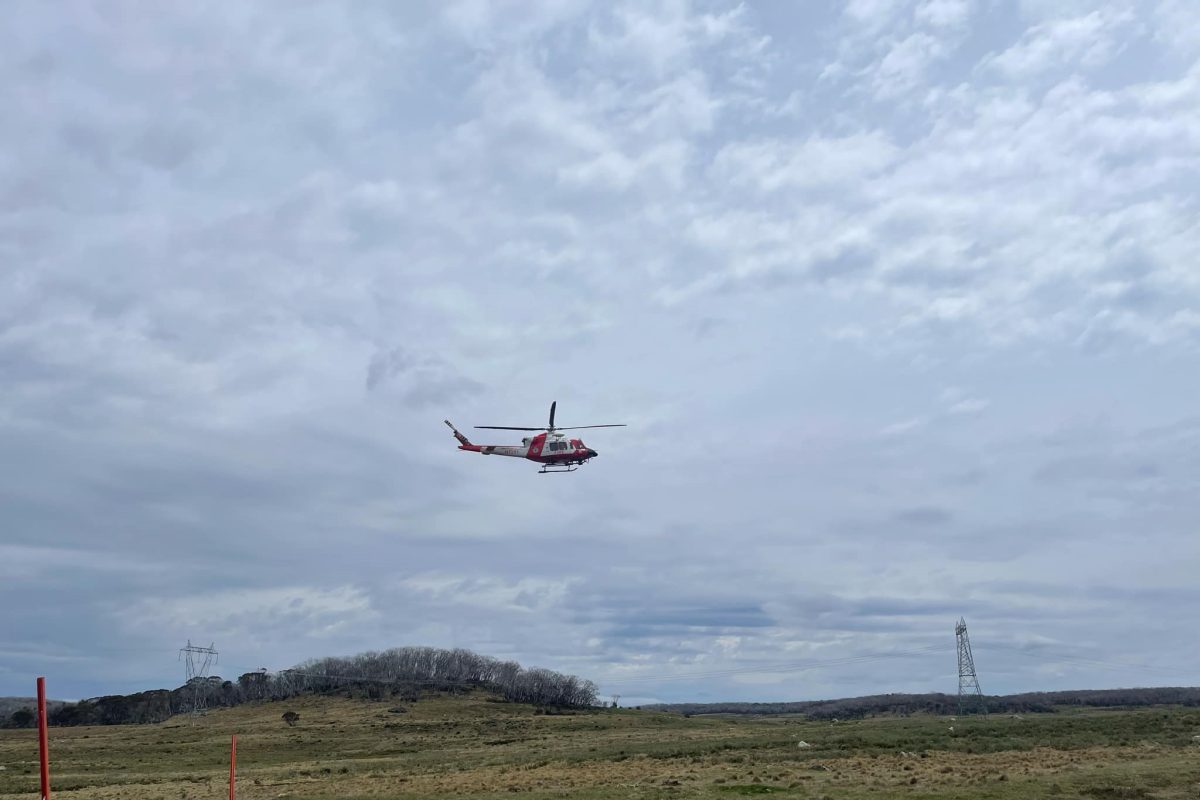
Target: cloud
x=27, y=563
x=958, y=402
x=904, y=426
x=307, y=611
x=1085, y=41
x=924, y=515
x=421, y=380
x=816, y=163
x=943, y=13
x=921, y=266
x=528, y=594
x=906, y=62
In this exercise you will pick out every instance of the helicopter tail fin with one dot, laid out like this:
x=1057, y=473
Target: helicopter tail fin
x=462, y=440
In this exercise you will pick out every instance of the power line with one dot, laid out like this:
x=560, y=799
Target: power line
x=200, y=659
x=1048, y=656
x=796, y=666
x=785, y=667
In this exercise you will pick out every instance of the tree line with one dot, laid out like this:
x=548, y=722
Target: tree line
x=402, y=672
x=937, y=703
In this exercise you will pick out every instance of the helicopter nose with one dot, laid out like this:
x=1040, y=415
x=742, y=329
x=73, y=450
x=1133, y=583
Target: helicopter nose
x=592, y=453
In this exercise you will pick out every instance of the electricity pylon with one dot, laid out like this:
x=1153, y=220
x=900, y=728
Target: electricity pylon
x=198, y=660
x=969, y=693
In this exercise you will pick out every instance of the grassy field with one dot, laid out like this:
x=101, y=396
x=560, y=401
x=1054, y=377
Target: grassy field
x=447, y=747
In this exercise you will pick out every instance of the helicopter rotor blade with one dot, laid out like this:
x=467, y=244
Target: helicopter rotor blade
x=581, y=427
x=553, y=403
x=506, y=428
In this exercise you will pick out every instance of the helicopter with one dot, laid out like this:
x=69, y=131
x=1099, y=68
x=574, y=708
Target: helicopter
x=554, y=451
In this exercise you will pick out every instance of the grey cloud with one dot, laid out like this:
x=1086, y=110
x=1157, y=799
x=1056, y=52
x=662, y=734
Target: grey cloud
x=421, y=381
x=847, y=264
x=924, y=516
x=388, y=364
x=902, y=607
x=1101, y=467
x=88, y=142
x=659, y=621
x=245, y=284
x=708, y=326
x=166, y=148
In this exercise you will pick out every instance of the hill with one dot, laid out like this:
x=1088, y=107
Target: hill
x=397, y=673
x=476, y=745
x=936, y=703
x=12, y=705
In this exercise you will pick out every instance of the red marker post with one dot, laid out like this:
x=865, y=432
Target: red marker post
x=43, y=746
x=232, y=766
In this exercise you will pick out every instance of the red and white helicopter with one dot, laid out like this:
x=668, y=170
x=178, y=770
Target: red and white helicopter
x=555, y=452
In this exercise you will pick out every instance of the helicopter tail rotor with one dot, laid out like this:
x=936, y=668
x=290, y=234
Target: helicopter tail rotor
x=461, y=439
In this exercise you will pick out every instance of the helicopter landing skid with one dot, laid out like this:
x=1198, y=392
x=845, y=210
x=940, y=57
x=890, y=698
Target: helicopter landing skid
x=556, y=468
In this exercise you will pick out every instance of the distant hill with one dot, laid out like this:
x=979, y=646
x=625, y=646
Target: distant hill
x=936, y=703
x=403, y=672
x=11, y=705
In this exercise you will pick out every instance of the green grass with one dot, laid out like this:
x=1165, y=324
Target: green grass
x=471, y=746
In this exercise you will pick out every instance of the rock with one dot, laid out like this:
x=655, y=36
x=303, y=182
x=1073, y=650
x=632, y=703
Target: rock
x=803, y=743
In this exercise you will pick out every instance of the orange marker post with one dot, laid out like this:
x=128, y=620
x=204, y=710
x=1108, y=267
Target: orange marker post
x=43, y=746
x=232, y=767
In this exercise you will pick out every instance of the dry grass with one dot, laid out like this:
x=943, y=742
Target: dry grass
x=443, y=747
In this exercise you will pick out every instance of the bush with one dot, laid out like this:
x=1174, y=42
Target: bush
x=22, y=718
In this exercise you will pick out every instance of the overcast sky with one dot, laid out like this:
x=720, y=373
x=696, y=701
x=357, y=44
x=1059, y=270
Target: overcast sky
x=898, y=297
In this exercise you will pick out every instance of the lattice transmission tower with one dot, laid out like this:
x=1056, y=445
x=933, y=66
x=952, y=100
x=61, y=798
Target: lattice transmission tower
x=198, y=660
x=969, y=693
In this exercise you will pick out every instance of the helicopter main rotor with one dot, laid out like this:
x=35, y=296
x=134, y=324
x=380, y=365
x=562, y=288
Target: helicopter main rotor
x=551, y=428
